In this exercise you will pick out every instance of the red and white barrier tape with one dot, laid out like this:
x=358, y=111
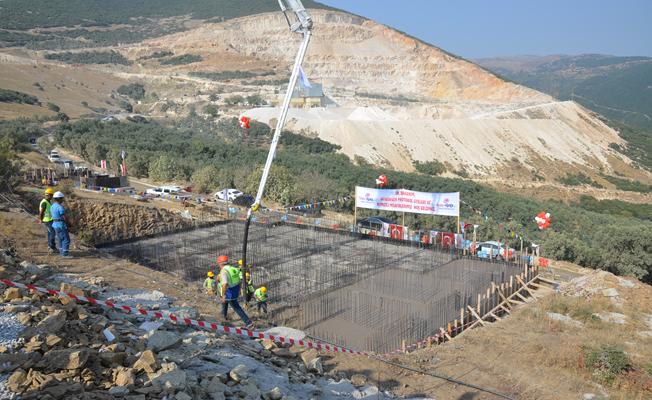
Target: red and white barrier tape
x=187, y=321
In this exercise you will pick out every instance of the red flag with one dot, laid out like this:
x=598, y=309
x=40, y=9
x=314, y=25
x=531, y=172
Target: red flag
x=244, y=122
x=103, y=164
x=381, y=181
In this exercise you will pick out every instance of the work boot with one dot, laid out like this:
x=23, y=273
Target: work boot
x=52, y=251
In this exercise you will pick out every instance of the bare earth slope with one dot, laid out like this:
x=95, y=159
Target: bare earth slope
x=392, y=99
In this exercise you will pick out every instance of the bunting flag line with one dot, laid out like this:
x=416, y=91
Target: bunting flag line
x=310, y=206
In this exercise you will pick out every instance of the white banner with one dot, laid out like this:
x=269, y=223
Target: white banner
x=408, y=201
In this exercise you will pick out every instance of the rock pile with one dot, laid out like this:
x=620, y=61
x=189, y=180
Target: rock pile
x=80, y=351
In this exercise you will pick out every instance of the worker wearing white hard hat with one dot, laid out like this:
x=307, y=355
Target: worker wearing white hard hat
x=60, y=223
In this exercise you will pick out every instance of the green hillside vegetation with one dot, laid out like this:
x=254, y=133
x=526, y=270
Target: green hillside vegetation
x=134, y=90
x=616, y=207
x=628, y=185
x=639, y=144
x=12, y=96
x=90, y=57
x=616, y=87
x=21, y=14
x=578, y=179
x=182, y=59
x=225, y=155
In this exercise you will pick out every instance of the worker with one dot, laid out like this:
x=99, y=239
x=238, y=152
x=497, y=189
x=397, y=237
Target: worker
x=249, y=288
x=60, y=223
x=45, y=218
x=230, y=290
x=261, y=298
x=209, y=283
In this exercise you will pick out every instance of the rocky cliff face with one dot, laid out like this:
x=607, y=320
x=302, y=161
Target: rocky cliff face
x=353, y=54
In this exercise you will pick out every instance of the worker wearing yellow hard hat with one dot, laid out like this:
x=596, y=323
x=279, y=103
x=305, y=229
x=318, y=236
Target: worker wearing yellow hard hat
x=45, y=218
x=209, y=283
x=261, y=299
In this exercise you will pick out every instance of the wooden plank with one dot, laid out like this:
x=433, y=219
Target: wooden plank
x=497, y=318
x=478, y=319
x=445, y=333
x=539, y=277
x=525, y=287
x=505, y=308
x=521, y=297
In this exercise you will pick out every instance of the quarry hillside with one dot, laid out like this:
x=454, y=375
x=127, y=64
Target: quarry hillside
x=388, y=98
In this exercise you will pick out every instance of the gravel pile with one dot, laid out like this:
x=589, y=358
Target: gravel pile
x=10, y=328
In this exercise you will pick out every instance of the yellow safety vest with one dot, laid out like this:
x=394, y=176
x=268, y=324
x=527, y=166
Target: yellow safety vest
x=260, y=296
x=233, y=276
x=47, y=217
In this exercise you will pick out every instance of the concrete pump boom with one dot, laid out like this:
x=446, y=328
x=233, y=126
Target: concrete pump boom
x=300, y=22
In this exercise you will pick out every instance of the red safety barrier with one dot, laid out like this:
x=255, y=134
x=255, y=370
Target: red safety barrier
x=187, y=321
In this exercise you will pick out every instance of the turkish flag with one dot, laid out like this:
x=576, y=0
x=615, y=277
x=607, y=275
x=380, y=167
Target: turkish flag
x=447, y=239
x=396, y=232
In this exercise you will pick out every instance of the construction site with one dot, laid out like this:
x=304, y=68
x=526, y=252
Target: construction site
x=372, y=294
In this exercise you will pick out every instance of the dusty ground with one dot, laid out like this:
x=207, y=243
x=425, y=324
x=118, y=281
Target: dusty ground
x=526, y=355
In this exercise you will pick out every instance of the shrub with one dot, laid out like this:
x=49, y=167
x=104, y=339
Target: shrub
x=210, y=110
x=182, y=59
x=53, y=107
x=90, y=57
x=12, y=96
x=134, y=90
x=578, y=180
x=606, y=363
x=430, y=167
x=234, y=100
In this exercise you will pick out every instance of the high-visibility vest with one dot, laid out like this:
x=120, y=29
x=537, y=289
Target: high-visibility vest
x=233, y=276
x=208, y=283
x=47, y=217
x=260, y=296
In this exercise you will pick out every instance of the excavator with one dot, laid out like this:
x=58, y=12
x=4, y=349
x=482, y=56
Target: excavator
x=299, y=22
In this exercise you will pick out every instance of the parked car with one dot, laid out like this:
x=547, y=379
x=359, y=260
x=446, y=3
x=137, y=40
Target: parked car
x=373, y=224
x=54, y=157
x=244, y=200
x=228, y=194
x=493, y=249
x=166, y=191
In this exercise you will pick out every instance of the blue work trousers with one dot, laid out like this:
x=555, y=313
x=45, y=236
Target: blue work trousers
x=238, y=310
x=64, y=239
x=52, y=241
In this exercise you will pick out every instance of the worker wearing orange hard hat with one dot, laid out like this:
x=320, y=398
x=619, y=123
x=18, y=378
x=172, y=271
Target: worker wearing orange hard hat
x=230, y=291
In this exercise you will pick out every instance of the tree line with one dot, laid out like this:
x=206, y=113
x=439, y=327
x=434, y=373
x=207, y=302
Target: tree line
x=309, y=169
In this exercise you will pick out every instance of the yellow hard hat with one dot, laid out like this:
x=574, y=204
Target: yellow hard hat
x=247, y=274
x=263, y=289
x=49, y=191
x=240, y=262
x=210, y=274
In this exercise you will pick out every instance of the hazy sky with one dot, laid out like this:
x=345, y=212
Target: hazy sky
x=488, y=28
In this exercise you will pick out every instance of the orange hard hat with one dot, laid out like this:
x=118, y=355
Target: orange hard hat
x=222, y=259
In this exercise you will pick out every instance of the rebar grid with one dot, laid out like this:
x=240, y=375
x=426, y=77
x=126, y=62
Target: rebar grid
x=367, y=293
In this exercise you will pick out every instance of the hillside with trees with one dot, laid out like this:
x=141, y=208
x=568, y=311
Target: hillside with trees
x=589, y=233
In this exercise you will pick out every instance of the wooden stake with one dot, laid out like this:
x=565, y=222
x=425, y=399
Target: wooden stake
x=476, y=316
x=526, y=288
x=403, y=346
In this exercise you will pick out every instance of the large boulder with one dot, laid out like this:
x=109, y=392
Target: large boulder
x=146, y=362
x=12, y=293
x=162, y=340
x=124, y=377
x=65, y=359
x=170, y=377
x=48, y=325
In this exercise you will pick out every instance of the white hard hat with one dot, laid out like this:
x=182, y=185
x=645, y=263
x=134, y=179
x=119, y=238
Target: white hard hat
x=58, y=195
